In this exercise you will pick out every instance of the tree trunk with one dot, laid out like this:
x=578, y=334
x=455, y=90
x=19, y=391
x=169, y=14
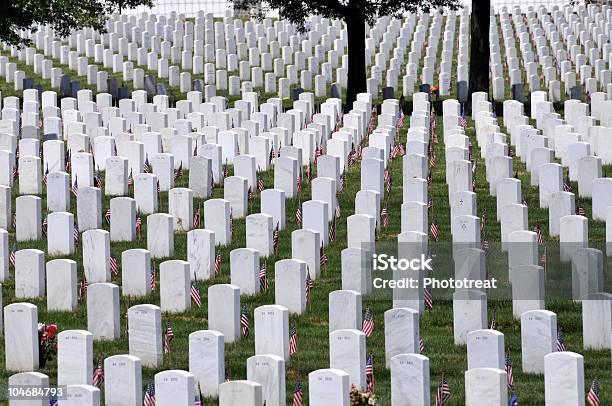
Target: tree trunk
x=356, y=83
x=479, y=47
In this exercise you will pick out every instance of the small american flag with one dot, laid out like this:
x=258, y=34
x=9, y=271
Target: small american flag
x=332, y=231
x=593, y=396
x=130, y=179
x=560, y=341
x=434, y=230
x=539, y=235
x=293, y=339
x=75, y=187
x=427, y=299
x=68, y=165
x=400, y=118
x=544, y=261
x=152, y=282
x=483, y=219
x=513, y=399
x=114, y=268
x=368, y=323
x=389, y=187
x=359, y=151
x=15, y=220
x=463, y=121
x=299, y=183
x=369, y=371
x=158, y=187
x=298, y=214
x=83, y=288
x=430, y=204
x=168, y=337
x=260, y=185
x=16, y=169
x=53, y=400
x=429, y=178
x=75, y=234
x=46, y=175
x=323, y=259
x=97, y=181
x=13, y=253
x=107, y=215
x=146, y=167
x=443, y=393
x=342, y=181
x=567, y=185
x=580, y=211
x=98, y=375
x=337, y=211
x=485, y=246
x=384, y=216
x=45, y=225
x=138, y=225
x=196, y=219
x=263, y=278
x=250, y=194
x=297, y=394
x=309, y=284
x=149, y=397
x=179, y=172
x=421, y=345
x=394, y=152
x=309, y=171
x=509, y=374
x=275, y=238
x=217, y=264
x=195, y=294
x=493, y=325
x=244, y=322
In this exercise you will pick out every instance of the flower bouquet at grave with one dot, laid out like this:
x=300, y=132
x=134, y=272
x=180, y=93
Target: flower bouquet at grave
x=360, y=398
x=47, y=344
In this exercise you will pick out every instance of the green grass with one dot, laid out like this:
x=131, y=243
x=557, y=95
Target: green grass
x=435, y=326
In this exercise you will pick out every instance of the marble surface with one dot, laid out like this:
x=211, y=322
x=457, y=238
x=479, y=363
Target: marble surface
x=145, y=334
x=347, y=352
x=356, y=270
x=306, y=246
x=564, y=379
x=30, y=379
x=290, y=285
x=259, y=232
x=368, y=202
x=122, y=380
x=328, y=387
x=145, y=193
x=224, y=310
x=30, y=175
x=160, y=235
x=272, y=330
x=29, y=221
x=163, y=168
x=81, y=395
x=244, y=270
x=207, y=360
x=60, y=231
x=235, y=191
x=175, y=286
x=201, y=254
x=21, y=337
x=401, y=332
x=244, y=393
x=410, y=382
x=116, y=175
x=74, y=357
x=273, y=204
x=200, y=172
x=268, y=371
x=58, y=191
x=174, y=387
x=538, y=339
x=89, y=208
x=324, y=189
x=135, y=272
x=180, y=206
x=216, y=219
x=6, y=208
x=597, y=320
x=61, y=285
x=486, y=386
x=361, y=231
x=96, y=255
x=123, y=219
x=314, y=217
x=485, y=349
x=469, y=313
x=103, y=311
x=29, y=273
x=345, y=310
x=285, y=175
x=602, y=197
